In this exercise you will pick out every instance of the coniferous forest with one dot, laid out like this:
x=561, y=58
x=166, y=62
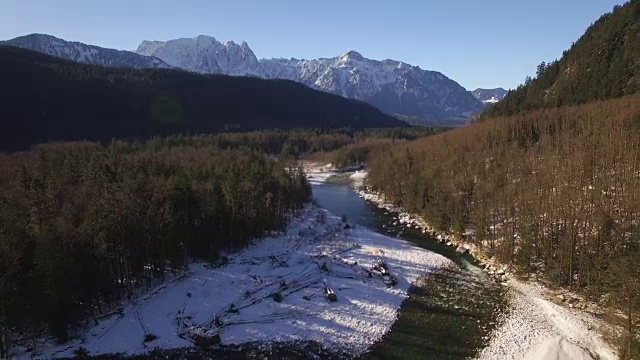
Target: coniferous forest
x=603, y=64
x=553, y=191
x=83, y=226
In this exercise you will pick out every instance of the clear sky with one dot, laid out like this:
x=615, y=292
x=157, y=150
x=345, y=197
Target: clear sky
x=478, y=43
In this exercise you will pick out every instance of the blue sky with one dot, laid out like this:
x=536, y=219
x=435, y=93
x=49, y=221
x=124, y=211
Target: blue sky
x=479, y=43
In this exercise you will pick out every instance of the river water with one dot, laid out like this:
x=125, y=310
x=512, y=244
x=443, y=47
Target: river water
x=449, y=314
x=341, y=199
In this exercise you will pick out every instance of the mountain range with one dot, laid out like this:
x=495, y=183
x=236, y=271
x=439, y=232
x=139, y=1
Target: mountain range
x=394, y=87
x=53, y=99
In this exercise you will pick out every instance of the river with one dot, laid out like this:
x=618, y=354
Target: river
x=341, y=199
x=449, y=314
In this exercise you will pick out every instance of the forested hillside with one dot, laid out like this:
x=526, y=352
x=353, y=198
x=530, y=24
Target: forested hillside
x=54, y=99
x=548, y=181
x=603, y=64
x=554, y=191
x=83, y=226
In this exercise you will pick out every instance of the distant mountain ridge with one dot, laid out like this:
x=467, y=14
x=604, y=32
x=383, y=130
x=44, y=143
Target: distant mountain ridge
x=56, y=99
x=489, y=96
x=392, y=86
x=83, y=53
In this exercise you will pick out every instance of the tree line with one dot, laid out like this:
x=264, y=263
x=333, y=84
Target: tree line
x=295, y=143
x=358, y=153
x=84, y=226
x=371, y=141
x=551, y=191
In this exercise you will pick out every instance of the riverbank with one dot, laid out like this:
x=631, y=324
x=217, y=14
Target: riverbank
x=315, y=283
x=450, y=312
x=539, y=323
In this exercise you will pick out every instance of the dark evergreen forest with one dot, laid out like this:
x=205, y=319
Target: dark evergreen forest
x=84, y=226
x=47, y=99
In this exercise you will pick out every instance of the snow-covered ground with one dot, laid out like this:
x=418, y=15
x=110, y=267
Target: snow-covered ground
x=318, y=173
x=357, y=178
x=236, y=301
x=538, y=329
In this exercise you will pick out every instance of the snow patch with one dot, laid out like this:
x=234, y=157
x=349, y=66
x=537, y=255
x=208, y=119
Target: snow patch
x=491, y=100
x=318, y=173
x=535, y=325
x=237, y=301
x=556, y=348
x=358, y=177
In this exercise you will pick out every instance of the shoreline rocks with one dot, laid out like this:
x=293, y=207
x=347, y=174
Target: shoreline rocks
x=500, y=273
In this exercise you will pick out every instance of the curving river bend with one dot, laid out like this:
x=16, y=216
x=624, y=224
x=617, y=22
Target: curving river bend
x=449, y=314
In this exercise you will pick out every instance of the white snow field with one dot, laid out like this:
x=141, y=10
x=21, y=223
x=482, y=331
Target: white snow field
x=318, y=173
x=538, y=329
x=237, y=301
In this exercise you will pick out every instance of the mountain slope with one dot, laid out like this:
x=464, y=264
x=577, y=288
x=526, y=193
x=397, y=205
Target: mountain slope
x=489, y=96
x=604, y=63
x=392, y=86
x=82, y=53
x=54, y=99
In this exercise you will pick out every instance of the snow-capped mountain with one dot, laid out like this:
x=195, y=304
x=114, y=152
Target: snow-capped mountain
x=489, y=96
x=392, y=86
x=204, y=54
x=84, y=53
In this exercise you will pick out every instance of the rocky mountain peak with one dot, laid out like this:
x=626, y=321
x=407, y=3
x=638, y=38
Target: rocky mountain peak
x=352, y=55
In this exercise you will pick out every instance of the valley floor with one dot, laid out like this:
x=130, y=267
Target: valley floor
x=273, y=291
